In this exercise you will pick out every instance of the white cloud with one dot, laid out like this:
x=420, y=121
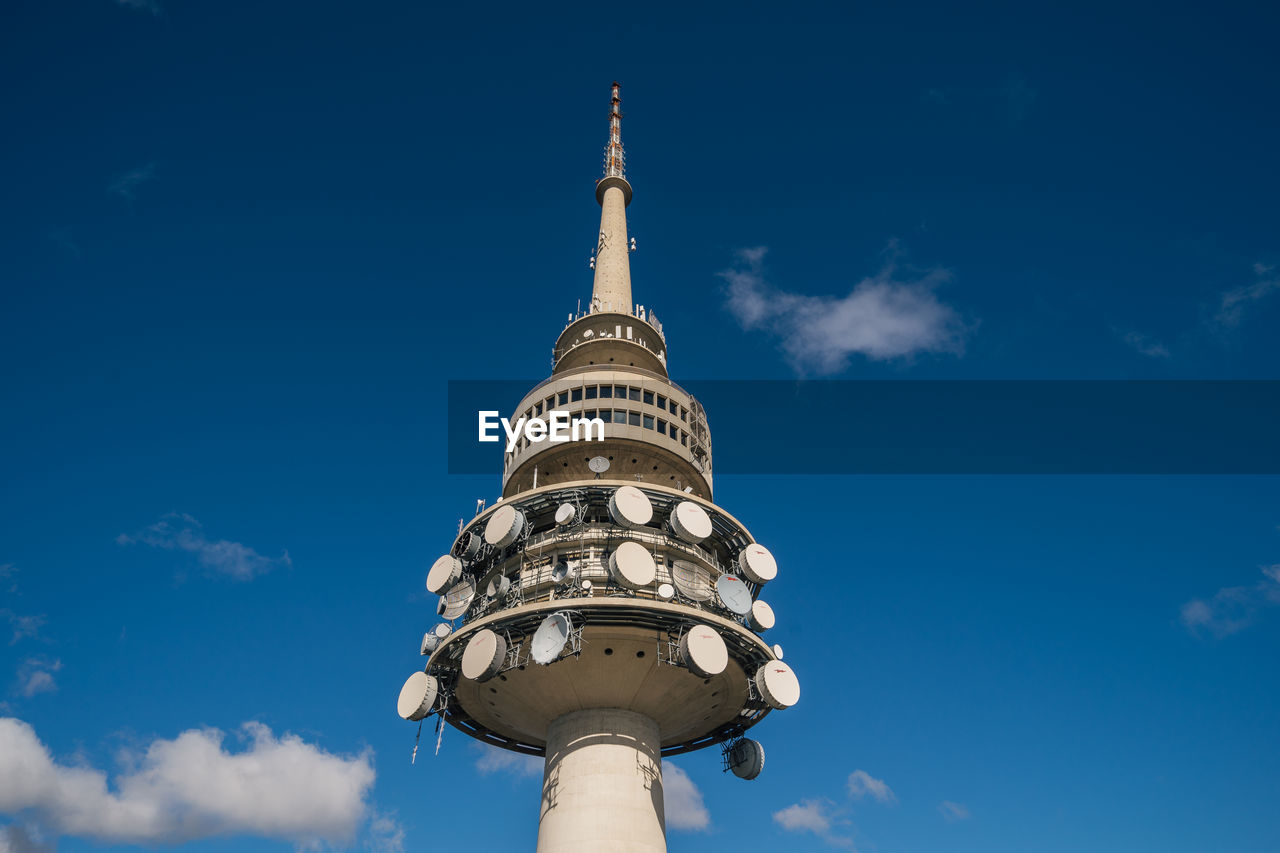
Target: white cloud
x=23, y=626
x=862, y=784
x=179, y=531
x=386, y=835
x=191, y=788
x=1233, y=608
x=126, y=186
x=682, y=801
x=35, y=675
x=495, y=760
x=16, y=838
x=1144, y=344
x=816, y=816
x=953, y=811
x=1236, y=301
x=884, y=317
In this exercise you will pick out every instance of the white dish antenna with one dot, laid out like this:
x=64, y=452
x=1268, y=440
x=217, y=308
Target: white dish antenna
x=471, y=545
x=690, y=522
x=777, y=651
x=777, y=684
x=734, y=594
x=587, y=586
x=429, y=642
x=630, y=507
x=565, y=514
x=693, y=581
x=484, y=655
x=550, y=638
x=418, y=696
x=561, y=571
x=504, y=527
x=457, y=598
x=761, y=616
x=703, y=650
x=632, y=566
x=757, y=564
x=666, y=591
x=499, y=586
x=746, y=759
x=598, y=464
x=443, y=572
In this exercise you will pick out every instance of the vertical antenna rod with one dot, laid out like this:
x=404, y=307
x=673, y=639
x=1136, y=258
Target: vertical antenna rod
x=615, y=162
x=611, y=291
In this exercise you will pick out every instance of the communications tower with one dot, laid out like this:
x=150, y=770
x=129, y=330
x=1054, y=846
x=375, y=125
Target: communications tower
x=605, y=612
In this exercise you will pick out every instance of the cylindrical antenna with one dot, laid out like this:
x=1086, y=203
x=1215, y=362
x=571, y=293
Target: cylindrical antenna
x=615, y=162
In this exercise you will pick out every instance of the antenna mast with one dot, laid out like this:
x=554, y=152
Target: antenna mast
x=615, y=162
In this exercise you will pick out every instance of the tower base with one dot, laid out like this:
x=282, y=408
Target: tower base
x=602, y=785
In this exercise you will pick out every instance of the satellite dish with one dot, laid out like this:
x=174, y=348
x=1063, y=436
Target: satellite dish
x=484, y=655
x=777, y=651
x=457, y=598
x=703, y=650
x=777, y=684
x=566, y=514
x=630, y=507
x=443, y=572
x=632, y=566
x=598, y=464
x=761, y=616
x=562, y=571
x=550, y=638
x=690, y=522
x=757, y=564
x=504, y=527
x=471, y=545
x=734, y=594
x=418, y=696
x=693, y=581
x=666, y=591
x=746, y=759
x=499, y=586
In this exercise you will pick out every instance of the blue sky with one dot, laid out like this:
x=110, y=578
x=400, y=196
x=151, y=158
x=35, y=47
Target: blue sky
x=243, y=248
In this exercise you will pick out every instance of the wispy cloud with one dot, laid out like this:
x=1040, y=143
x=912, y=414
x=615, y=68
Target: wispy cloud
x=682, y=801
x=1233, y=608
x=152, y=6
x=17, y=838
x=1235, y=302
x=386, y=835
x=863, y=784
x=1143, y=344
x=181, y=532
x=126, y=186
x=8, y=575
x=192, y=788
x=819, y=817
x=893, y=314
x=953, y=811
x=36, y=675
x=494, y=760
x=22, y=626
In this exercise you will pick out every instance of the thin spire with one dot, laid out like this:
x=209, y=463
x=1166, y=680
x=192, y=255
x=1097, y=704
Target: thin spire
x=612, y=288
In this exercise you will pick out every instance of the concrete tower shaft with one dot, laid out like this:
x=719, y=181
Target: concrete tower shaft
x=612, y=288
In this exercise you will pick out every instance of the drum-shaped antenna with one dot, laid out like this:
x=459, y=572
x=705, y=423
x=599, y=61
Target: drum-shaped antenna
x=484, y=655
x=632, y=566
x=499, y=586
x=560, y=571
x=746, y=758
x=777, y=684
x=761, y=616
x=471, y=545
x=550, y=638
x=565, y=514
x=504, y=527
x=442, y=630
x=693, y=581
x=734, y=594
x=433, y=638
x=690, y=522
x=703, y=650
x=777, y=651
x=457, y=598
x=444, y=571
x=630, y=507
x=587, y=586
x=418, y=696
x=757, y=564
x=666, y=591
